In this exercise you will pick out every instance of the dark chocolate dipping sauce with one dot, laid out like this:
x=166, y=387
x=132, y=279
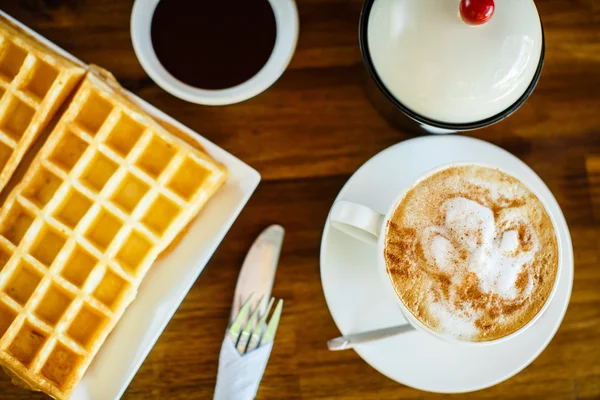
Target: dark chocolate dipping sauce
x=213, y=44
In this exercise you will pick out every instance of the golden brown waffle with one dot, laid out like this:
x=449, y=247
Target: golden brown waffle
x=34, y=82
x=107, y=193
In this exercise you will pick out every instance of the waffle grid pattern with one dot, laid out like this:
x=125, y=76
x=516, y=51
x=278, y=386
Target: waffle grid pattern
x=33, y=84
x=108, y=192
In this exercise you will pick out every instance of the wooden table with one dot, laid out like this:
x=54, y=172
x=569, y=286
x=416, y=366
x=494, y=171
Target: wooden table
x=306, y=135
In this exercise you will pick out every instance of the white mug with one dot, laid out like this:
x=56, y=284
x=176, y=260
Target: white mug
x=368, y=225
x=286, y=20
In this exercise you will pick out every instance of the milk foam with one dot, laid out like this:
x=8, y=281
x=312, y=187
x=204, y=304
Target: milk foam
x=496, y=258
x=471, y=253
x=460, y=325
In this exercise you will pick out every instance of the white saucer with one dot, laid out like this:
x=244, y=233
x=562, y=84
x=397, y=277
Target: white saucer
x=353, y=288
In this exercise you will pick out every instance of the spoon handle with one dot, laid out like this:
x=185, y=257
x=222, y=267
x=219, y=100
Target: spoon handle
x=349, y=341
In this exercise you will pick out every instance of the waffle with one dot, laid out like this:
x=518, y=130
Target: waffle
x=34, y=82
x=107, y=193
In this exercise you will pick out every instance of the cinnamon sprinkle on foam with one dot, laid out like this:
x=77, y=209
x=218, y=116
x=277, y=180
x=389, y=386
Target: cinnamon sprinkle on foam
x=471, y=252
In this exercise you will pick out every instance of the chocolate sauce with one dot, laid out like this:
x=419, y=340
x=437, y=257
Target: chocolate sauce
x=213, y=44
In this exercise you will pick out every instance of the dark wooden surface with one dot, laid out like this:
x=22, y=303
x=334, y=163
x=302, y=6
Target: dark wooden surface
x=306, y=135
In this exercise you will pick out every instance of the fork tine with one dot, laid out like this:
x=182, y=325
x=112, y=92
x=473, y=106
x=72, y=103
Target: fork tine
x=269, y=335
x=263, y=319
x=258, y=330
x=236, y=326
x=248, y=328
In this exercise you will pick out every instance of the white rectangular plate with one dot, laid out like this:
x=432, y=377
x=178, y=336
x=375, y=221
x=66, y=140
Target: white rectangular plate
x=169, y=279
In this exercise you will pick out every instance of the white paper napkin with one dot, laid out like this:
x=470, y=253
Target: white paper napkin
x=239, y=376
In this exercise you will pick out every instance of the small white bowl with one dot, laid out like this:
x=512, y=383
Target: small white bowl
x=286, y=18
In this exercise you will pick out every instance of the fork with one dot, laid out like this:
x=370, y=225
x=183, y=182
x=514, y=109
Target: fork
x=250, y=330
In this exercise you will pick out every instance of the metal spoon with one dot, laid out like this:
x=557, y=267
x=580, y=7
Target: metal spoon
x=349, y=341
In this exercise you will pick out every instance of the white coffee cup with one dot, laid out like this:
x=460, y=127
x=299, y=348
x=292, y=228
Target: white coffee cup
x=286, y=19
x=370, y=226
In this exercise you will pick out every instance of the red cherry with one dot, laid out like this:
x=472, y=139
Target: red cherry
x=476, y=12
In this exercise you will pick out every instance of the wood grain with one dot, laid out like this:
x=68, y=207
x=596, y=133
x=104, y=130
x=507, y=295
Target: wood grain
x=306, y=135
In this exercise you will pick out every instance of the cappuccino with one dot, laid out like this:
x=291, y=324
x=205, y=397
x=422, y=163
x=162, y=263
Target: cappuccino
x=471, y=253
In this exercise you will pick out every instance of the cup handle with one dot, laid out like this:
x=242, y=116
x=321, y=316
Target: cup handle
x=357, y=220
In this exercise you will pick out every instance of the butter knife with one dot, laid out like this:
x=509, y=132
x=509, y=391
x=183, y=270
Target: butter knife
x=258, y=270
